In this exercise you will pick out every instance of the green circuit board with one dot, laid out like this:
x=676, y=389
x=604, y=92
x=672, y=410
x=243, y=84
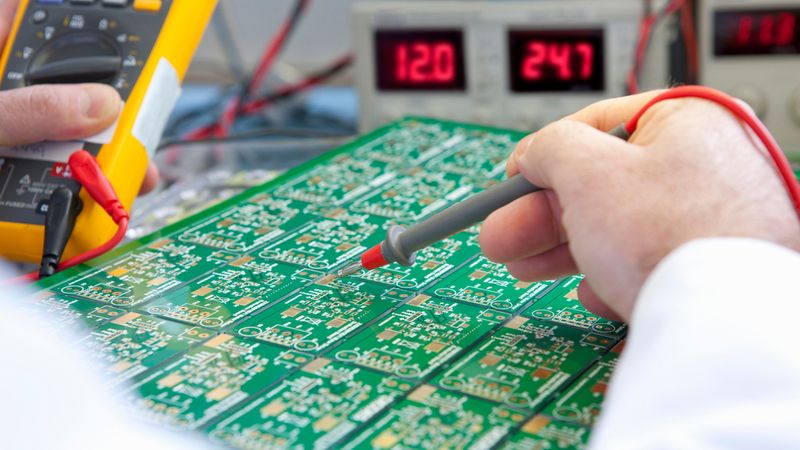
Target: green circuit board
x=231, y=324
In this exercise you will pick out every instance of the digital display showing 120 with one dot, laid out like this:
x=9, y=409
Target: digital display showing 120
x=420, y=60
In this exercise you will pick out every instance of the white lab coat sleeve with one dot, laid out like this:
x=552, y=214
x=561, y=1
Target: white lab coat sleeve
x=51, y=398
x=712, y=359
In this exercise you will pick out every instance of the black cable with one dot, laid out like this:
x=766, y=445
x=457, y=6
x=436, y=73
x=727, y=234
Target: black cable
x=313, y=80
x=211, y=109
x=658, y=16
x=294, y=18
x=255, y=134
x=232, y=54
x=280, y=94
x=648, y=7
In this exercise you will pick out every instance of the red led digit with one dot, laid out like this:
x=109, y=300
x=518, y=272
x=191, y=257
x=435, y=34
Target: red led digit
x=559, y=56
x=443, y=62
x=532, y=64
x=766, y=29
x=586, y=51
x=787, y=26
x=420, y=62
x=745, y=30
x=401, y=63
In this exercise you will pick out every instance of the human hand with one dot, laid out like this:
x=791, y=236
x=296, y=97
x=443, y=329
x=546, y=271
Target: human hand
x=56, y=112
x=613, y=209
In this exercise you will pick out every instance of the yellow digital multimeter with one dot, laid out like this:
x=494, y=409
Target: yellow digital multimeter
x=140, y=47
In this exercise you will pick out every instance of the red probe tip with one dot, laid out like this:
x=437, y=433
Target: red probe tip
x=373, y=258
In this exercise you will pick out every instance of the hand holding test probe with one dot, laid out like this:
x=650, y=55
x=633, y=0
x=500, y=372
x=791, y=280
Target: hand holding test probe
x=401, y=244
x=638, y=201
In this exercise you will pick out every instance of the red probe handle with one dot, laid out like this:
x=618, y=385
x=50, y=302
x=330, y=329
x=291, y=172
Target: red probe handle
x=373, y=258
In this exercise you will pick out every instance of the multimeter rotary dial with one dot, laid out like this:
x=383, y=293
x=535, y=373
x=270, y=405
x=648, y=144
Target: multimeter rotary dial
x=97, y=42
x=79, y=57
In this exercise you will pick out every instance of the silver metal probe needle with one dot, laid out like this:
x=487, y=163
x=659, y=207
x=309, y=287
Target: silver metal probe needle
x=349, y=270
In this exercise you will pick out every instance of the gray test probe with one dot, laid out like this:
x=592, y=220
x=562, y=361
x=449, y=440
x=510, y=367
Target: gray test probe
x=402, y=244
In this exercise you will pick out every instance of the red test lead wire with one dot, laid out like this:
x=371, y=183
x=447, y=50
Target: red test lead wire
x=87, y=172
x=737, y=108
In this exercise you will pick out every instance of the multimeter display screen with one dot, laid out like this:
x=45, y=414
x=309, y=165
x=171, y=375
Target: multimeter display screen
x=756, y=32
x=420, y=60
x=555, y=61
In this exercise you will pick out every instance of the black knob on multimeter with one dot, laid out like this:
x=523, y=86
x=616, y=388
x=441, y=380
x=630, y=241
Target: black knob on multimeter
x=76, y=58
x=142, y=49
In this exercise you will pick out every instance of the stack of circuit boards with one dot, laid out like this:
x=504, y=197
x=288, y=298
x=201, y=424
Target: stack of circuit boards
x=231, y=324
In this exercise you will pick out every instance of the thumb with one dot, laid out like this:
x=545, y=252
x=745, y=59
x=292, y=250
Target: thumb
x=56, y=112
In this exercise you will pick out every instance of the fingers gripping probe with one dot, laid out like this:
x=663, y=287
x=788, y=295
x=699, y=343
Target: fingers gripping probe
x=402, y=244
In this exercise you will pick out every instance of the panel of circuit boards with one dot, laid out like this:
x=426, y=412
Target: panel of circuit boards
x=230, y=323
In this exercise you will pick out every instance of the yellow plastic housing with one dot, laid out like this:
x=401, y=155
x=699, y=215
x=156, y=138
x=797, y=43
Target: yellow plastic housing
x=124, y=160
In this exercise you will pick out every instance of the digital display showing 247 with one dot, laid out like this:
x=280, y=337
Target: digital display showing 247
x=556, y=61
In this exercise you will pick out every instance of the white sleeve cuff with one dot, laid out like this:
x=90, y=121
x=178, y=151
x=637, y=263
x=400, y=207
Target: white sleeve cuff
x=712, y=357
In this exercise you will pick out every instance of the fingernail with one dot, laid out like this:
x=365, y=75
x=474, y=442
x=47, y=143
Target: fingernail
x=98, y=102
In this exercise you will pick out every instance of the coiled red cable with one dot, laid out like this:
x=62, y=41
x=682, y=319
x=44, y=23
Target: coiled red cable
x=737, y=108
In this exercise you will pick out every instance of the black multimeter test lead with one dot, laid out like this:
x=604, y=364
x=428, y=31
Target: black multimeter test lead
x=402, y=244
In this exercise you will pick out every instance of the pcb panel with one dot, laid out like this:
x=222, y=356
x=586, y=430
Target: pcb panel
x=561, y=305
x=68, y=312
x=414, y=195
x=479, y=156
x=523, y=364
x=314, y=408
x=431, y=263
x=325, y=244
x=544, y=433
x=430, y=418
x=249, y=225
x=211, y=378
x=487, y=284
x=143, y=275
x=133, y=343
x=430, y=141
x=231, y=322
x=320, y=315
x=345, y=179
x=228, y=294
x=580, y=403
x=418, y=337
